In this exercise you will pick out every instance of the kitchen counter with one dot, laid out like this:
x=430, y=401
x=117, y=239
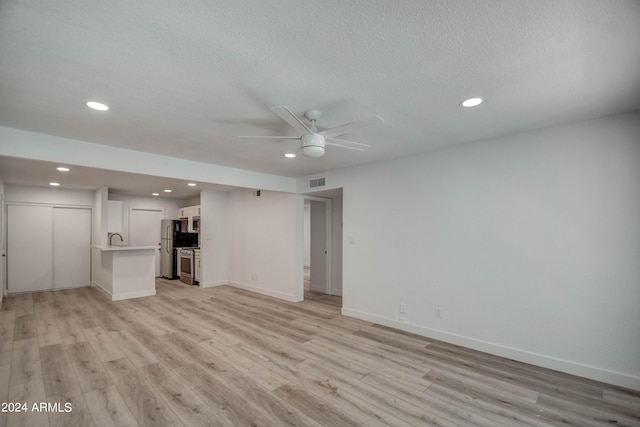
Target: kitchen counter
x=126, y=271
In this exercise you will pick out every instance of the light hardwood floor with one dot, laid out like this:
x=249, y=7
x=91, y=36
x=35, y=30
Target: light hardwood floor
x=223, y=356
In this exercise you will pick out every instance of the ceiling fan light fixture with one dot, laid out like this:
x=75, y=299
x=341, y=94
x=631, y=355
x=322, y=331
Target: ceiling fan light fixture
x=312, y=145
x=290, y=155
x=313, y=151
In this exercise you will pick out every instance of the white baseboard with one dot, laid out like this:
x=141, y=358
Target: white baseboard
x=574, y=368
x=125, y=295
x=129, y=295
x=213, y=284
x=262, y=291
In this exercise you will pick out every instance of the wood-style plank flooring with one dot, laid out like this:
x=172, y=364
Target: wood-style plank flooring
x=223, y=356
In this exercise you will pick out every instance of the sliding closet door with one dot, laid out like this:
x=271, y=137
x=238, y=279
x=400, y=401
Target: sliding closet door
x=71, y=247
x=29, y=248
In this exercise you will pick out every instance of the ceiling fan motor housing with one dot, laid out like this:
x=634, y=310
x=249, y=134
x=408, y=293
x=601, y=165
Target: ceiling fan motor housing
x=312, y=145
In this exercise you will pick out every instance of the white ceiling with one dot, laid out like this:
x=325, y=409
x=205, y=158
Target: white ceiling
x=39, y=173
x=184, y=79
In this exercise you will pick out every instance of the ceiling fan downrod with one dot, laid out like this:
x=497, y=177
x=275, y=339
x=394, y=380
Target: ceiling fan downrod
x=313, y=116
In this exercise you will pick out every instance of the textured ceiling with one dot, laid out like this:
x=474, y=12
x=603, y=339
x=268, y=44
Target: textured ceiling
x=184, y=79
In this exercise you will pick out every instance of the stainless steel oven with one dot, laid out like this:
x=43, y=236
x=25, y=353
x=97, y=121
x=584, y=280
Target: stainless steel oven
x=187, y=263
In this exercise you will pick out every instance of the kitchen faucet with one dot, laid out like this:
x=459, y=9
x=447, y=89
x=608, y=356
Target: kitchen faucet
x=115, y=234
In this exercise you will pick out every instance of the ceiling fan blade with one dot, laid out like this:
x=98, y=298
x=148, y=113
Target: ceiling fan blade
x=340, y=130
x=285, y=114
x=269, y=137
x=342, y=143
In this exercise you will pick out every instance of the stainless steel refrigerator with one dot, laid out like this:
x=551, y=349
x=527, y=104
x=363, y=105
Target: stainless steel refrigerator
x=173, y=238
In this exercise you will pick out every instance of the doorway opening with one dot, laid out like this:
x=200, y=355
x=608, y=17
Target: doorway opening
x=322, y=258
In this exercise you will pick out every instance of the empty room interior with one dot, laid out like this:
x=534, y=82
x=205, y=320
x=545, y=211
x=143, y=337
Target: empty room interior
x=270, y=213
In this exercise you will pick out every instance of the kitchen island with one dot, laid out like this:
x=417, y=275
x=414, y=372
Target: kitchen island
x=126, y=271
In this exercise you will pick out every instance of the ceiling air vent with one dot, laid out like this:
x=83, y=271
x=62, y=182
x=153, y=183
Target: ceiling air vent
x=317, y=182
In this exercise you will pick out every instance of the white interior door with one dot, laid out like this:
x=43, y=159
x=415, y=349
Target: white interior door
x=29, y=248
x=144, y=230
x=318, y=237
x=71, y=247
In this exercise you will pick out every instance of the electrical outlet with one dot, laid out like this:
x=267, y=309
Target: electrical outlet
x=437, y=313
x=402, y=312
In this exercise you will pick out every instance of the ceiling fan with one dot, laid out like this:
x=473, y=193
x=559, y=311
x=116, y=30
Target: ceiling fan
x=312, y=142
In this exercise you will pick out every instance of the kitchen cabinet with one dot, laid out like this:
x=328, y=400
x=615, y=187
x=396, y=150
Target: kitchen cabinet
x=114, y=216
x=198, y=267
x=191, y=212
x=127, y=271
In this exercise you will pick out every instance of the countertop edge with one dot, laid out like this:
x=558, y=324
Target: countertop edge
x=123, y=248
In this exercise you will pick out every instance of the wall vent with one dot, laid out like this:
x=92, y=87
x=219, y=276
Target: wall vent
x=317, y=182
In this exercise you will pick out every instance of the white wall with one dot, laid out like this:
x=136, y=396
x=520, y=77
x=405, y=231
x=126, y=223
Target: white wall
x=265, y=255
x=214, y=246
x=169, y=207
x=100, y=273
x=189, y=202
x=37, y=146
x=48, y=195
x=528, y=245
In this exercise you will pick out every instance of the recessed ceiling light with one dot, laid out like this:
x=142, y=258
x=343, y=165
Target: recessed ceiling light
x=97, y=106
x=191, y=184
x=54, y=184
x=62, y=169
x=290, y=155
x=155, y=194
x=471, y=102
x=167, y=191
